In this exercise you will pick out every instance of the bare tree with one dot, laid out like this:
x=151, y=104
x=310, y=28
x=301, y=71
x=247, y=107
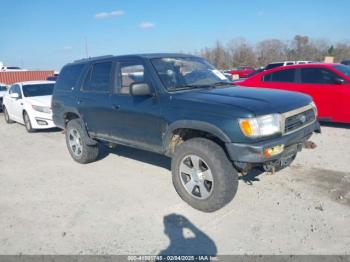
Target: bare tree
x=270, y=50
x=241, y=53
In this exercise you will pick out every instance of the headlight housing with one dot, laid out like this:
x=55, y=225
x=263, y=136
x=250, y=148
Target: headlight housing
x=42, y=109
x=261, y=126
x=315, y=108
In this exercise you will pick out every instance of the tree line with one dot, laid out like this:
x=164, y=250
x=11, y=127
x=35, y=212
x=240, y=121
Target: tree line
x=240, y=52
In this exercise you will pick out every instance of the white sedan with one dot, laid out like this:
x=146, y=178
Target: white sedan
x=29, y=103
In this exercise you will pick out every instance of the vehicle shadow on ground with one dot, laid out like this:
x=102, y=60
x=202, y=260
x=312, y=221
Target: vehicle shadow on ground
x=251, y=176
x=336, y=125
x=51, y=130
x=185, y=238
x=137, y=154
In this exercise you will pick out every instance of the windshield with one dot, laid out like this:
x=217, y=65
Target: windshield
x=187, y=72
x=344, y=69
x=3, y=88
x=38, y=90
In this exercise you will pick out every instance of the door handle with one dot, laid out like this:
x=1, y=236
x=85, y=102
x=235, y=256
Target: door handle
x=116, y=107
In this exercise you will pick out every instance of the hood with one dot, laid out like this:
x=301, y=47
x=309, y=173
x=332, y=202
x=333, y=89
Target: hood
x=40, y=100
x=2, y=93
x=259, y=101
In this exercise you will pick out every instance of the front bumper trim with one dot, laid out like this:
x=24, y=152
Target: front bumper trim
x=254, y=153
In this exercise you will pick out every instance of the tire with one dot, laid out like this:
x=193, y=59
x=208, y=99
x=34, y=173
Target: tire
x=76, y=143
x=7, y=117
x=27, y=123
x=216, y=182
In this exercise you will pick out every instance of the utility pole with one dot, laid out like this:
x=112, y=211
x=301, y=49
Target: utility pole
x=86, y=48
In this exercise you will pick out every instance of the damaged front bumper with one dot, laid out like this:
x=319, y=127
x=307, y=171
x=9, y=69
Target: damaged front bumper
x=245, y=155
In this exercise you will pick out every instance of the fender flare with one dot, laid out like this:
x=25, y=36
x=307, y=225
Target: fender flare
x=195, y=125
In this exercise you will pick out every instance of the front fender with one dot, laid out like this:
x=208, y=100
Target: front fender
x=195, y=125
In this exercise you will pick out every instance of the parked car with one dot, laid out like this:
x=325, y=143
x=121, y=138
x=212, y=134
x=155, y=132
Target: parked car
x=29, y=103
x=346, y=62
x=327, y=84
x=242, y=71
x=3, y=89
x=181, y=106
x=286, y=63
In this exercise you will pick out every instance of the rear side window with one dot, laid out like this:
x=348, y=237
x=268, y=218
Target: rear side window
x=98, y=78
x=286, y=76
x=317, y=76
x=68, y=77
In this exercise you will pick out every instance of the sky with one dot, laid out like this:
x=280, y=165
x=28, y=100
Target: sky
x=46, y=34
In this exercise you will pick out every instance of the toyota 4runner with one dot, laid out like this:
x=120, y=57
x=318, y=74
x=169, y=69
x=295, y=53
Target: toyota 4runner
x=181, y=106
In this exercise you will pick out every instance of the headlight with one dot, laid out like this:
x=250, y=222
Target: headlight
x=261, y=126
x=315, y=107
x=43, y=109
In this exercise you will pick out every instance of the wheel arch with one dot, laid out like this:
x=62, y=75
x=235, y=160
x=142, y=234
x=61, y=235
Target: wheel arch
x=183, y=130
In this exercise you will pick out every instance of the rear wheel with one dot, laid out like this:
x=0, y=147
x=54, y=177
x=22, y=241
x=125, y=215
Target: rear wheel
x=76, y=143
x=27, y=123
x=202, y=175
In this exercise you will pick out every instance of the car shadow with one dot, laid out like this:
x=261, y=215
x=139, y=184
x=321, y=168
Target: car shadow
x=336, y=125
x=185, y=238
x=50, y=130
x=251, y=176
x=137, y=154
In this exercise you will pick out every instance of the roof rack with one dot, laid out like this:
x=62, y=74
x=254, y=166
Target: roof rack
x=92, y=58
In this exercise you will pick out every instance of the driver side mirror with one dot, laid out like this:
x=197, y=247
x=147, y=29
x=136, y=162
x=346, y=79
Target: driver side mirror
x=140, y=89
x=339, y=81
x=14, y=95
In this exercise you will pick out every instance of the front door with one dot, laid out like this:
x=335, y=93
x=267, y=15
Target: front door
x=137, y=119
x=15, y=105
x=320, y=84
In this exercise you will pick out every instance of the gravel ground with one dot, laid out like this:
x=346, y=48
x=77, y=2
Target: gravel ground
x=125, y=203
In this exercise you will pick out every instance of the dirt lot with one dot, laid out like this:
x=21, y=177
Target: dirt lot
x=125, y=203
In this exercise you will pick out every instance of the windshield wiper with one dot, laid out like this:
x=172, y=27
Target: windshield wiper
x=221, y=83
x=183, y=87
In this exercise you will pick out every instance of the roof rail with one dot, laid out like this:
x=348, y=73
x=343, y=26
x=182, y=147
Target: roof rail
x=93, y=58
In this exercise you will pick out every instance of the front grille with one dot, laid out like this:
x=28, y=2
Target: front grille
x=299, y=120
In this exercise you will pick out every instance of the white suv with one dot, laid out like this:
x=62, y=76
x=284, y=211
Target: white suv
x=29, y=103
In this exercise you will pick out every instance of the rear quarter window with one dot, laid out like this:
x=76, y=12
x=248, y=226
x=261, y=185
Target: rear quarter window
x=69, y=77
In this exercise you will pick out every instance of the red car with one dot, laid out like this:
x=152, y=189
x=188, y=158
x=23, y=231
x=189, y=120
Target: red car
x=327, y=84
x=242, y=71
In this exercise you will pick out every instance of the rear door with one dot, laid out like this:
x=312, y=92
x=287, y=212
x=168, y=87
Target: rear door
x=320, y=84
x=137, y=119
x=93, y=100
x=282, y=79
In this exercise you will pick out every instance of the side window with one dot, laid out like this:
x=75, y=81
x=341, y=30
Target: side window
x=128, y=74
x=68, y=77
x=317, y=76
x=98, y=78
x=286, y=76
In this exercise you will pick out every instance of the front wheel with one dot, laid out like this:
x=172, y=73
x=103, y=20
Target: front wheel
x=202, y=175
x=27, y=123
x=7, y=117
x=76, y=143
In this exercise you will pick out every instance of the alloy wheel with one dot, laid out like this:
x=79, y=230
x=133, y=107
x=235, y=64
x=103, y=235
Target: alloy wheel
x=75, y=142
x=196, y=177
